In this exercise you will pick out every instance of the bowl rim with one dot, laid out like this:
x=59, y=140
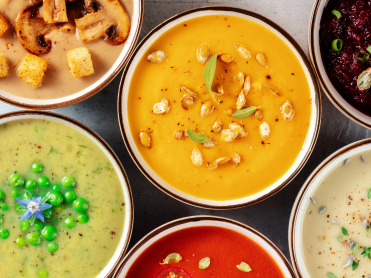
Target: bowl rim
x=198, y=218
x=101, y=85
x=299, y=198
x=318, y=104
x=319, y=73
x=108, y=149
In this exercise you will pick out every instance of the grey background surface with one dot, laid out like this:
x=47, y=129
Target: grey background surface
x=154, y=208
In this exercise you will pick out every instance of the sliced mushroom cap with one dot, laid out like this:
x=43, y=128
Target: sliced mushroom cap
x=31, y=29
x=55, y=11
x=107, y=19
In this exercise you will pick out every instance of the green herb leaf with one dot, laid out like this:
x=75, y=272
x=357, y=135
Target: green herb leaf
x=369, y=48
x=330, y=275
x=32, y=220
x=336, y=13
x=245, y=112
x=204, y=263
x=355, y=265
x=172, y=259
x=369, y=193
x=28, y=195
x=198, y=137
x=210, y=72
x=355, y=248
x=21, y=209
x=344, y=231
x=82, y=146
x=366, y=252
x=340, y=239
x=368, y=230
x=51, y=151
x=244, y=267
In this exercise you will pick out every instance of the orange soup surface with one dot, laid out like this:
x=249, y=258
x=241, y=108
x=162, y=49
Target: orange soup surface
x=263, y=162
x=225, y=248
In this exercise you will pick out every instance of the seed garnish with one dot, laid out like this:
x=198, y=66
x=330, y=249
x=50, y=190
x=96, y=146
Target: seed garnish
x=351, y=244
x=322, y=209
x=335, y=222
x=346, y=161
x=313, y=201
x=363, y=159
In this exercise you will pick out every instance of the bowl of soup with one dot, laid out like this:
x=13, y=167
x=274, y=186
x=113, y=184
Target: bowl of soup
x=201, y=246
x=339, y=50
x=66, y=203
x=330, y=233
x=57, y=53
x=213, y=118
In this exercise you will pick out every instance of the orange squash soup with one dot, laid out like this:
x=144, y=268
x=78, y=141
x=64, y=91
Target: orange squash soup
x=255, y=117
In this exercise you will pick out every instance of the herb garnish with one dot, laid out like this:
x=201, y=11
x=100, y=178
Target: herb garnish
x=355, y=265
x=245, y=112
x=330, y=275
x=340, y=239
x=210, y=72
x=172, y=259
x=355, y=248
x=366, y=252
x=244, y=267
x=344, y=231
x=198, y=137
x=204, y=263
x=369, y=193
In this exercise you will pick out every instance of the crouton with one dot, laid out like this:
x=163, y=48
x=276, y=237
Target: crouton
x=4, y=25
x=4, y=66
x=79, y=61
x=32, y=70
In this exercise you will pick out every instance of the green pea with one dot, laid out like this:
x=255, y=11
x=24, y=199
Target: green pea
x=21, y=242
x=4, y=207
x=16, y=180
x=1, y=219
x=69, y=196
x=82, y=218
x=2, y=195
x=49, y=233
x=48, y=213
x=55, y=199
x=43, y=181
x=68, y=182
x=24, y=225
x=52, y=247
x=80, y=205
x=37, y=167
x=69, y=222
x=39, y=225
x=57, y=187
x=34, y=238
x=4, y=233
x=42, y=273
x=14, y=193
x=30, y=184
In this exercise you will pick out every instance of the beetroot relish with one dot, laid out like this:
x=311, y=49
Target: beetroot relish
x=354, y=29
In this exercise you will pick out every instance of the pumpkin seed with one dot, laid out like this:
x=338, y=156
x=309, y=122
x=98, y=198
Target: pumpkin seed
x=145, y=139
x=239, y=129
x=262, y=60
x=287, y=111
x=258, y=115
x=218, y=162
x=207, y=108
x=178, y=134
x=242, y=51
x=226, y=59
x=241, y=101
x=161, y=107
x=264, y=130
x=187, y=91
x=229, y=111
x=236, y=158
x=241, y=79
x=219, y=90
x=272, y=90
x=157, y=56
x=186, y=102
x=209, y=144
x=203, y=53
x=247, y=85
x=217, y=126
x=228, y=135
x=197, y=158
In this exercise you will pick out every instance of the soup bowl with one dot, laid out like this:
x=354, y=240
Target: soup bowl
x=85, y=88
x=331, y=218
x=130, y=138
x=203, y=221
x=83, y=186
x=329, y=87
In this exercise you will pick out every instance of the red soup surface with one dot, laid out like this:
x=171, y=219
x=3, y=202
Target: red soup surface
x=225, y=248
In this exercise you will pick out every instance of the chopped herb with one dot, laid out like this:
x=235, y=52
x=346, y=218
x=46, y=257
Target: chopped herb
x=369, y=193
x=340, y=239
x=355, y=248
x=344, y=231
x=366, y=252
x=69, y=136
x=82, y=146
x=52, y=151
x=355, y=265
x=330, y=275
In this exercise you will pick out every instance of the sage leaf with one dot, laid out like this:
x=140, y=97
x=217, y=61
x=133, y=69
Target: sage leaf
x=330, y=275
x=369, y=193
x=198, y=137
x=245, y=112
x=204, y=263
x=210, y=72
x=355, y=265
x=344, y=231
x=340, y=239
x=355, y=248
x=244, y=267
x=172, y=259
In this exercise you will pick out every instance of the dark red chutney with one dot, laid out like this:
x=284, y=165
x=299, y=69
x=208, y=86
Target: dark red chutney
x=343, y=67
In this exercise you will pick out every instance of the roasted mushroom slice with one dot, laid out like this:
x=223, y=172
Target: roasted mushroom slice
x=110, y=22
x=30, y=31
x=55, y=11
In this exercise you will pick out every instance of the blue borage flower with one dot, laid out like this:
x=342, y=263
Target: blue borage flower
x=33, y=207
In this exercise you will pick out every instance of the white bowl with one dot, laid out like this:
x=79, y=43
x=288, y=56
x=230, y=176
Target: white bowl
x=129, y=214
x=136, y=24
x=307, y=190
x=197, y=221
x=156, y=179
x=316, y=58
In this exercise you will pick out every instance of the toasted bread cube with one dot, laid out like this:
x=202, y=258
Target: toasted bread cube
x=4, y=25
x=4, y=66
x=79, y=61
x=32, y=70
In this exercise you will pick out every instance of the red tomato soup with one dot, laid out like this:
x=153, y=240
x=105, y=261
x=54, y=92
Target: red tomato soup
x=225, y=248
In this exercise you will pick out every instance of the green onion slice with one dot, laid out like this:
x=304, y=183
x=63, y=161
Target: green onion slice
x=369, y=49
x=362, y=56
x=336, y=13
x=337, y=45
